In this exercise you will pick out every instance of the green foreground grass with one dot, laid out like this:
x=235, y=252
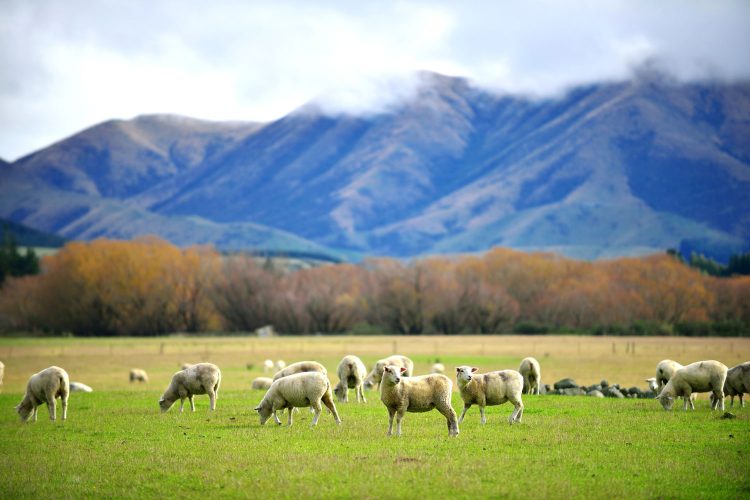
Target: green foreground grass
x=117, y=444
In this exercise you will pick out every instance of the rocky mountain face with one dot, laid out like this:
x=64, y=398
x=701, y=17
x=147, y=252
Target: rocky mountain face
x=605, y=170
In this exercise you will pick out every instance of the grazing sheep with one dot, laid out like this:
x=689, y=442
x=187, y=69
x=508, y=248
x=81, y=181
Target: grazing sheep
x=300, y=367
x=297, y=390
x=489, y=389
x=262, y=383
x=45, y=387
x=279, y=365
x=202, y=378
x=738, y=382
x=437, y=368
x=400, y=394
x=532, y=375
x=80, y=387
x=373, y=378
x=267, y=366
x=138, y=375
x=664, y=371
x=652, y=385
x=701, y=376
x=352, y=373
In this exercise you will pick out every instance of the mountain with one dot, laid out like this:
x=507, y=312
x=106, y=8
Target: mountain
x=27, y=237
x=604, y=170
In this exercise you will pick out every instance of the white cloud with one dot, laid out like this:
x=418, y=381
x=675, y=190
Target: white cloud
x=70, y=64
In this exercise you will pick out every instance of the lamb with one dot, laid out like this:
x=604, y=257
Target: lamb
x=652, y=385
x=373, y=378
x=45, y=387
x=298, y=390
x=138, y=375
x=352, y=373
x=437, y=368
x=279, y=365
x=202, y=378
x=400, y=394
x=738, y=382
x=532, y=375
x=262, y=383
x=489, y=389
x=299, y=367
x=267, y=366
x=80, y=387
x=701, y=376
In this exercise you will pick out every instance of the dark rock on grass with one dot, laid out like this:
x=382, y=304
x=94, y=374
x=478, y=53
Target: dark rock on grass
x=728, y=414
x=612, y=392
x=566, y=383
x=604, y=383
x=573, y=391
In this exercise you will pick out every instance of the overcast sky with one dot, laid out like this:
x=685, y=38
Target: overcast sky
x=66, y=65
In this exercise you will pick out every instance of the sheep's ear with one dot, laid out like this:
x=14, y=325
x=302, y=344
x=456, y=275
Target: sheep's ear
x=257, y=408
x=403, y=369
x=474, y=369
x=458, y=370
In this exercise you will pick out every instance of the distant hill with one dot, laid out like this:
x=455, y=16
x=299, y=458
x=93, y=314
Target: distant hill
x=27, y=237
x=605, y=170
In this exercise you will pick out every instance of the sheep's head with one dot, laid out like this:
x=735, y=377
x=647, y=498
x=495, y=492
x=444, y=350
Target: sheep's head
x=368, y=384
x=24, y=411
x=652, y=385
x=666, y=401
x=164, y=404
x=340, y=392
x=463, y=374
x=392, y=374
x=264, y=411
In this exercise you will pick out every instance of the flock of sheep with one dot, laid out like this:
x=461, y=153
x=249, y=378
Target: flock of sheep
x=306, y=384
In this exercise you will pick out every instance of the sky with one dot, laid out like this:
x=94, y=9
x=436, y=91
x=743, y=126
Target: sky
x=67, y=65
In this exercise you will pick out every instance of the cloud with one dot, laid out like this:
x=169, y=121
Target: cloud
x=71, y=64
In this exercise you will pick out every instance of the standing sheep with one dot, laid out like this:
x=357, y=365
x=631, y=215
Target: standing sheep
x=267, y=366
x=279, y=365
x=532, y=375
x=201, y=378
x=400, y=394
x=45, y=387
x=437, y=368
x=664, y=371
x=738, y=382
x=375, y=375
x=297, y=390
x=489, y=389
x=352, y=373
x=299, y=367
x=138, y=375
x=262, y=383
x=701, y=376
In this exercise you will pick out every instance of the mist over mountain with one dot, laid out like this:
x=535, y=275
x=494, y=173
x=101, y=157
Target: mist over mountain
x=605, y=170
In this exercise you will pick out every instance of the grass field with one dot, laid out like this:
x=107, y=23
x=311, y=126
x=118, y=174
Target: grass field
x=116, y=443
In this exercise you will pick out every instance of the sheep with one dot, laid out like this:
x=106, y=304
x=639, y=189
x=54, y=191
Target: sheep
x=489, y=389
x=701, y=376
x=201, y=378
x=352, y=373
x=400, y=394
x=299, y=367
x=267, y=366
x=279, y=365
x=262, y=383
x=437, y=368
x=664, y=371
x=45, y=387
x=136, y=374
x=2, y=372
x=373, y=378
x=652, y=385
x=297, y=390
x=738, y=382
x=80, y=387
x=532, y=375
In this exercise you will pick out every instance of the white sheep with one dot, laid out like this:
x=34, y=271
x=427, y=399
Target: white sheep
x=268, y=366
x=299, y=367
x=489, y=389
x=80, y=387
x=45, y=387
x=401, y=394
x=262, y=383
x=2, y=372
x=532, y=375
x=664, y=371
x=738, y=382
x=297, y=390
x=138, y=375
x=279, y=365
x=437, y=368
x=373, y=378
x=201, y=378
x=701, y=376
x=352, y=373
x=652, y=385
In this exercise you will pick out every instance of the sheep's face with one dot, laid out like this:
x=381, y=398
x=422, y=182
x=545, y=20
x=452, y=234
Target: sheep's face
x=340, y=392
x=666, y=402
x=652, y=386
x=164, y=404
x=463, y=373
x=264, y=411
x=24, y=412
x=392, y=374
x=368, y=384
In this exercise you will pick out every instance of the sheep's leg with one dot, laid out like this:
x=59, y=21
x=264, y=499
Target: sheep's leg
x=289, y=424
x=515, y=416
x=34, y=411
x=742, y=403
x=390, y=421
x=483, y=419
x=361, y=393
x=192, y=402
x=463, y=414
x=276, y=417
x=328, y=401
x=720, y=399
x=399, y=417
x=315, y=405
x=52, y=407
x=450, y=417
x=64, y=401
x=212, y=399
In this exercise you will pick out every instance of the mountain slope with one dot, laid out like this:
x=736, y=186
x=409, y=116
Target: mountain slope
x=610, y=169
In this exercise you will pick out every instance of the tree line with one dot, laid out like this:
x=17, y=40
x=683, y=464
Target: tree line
x=151, y=287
